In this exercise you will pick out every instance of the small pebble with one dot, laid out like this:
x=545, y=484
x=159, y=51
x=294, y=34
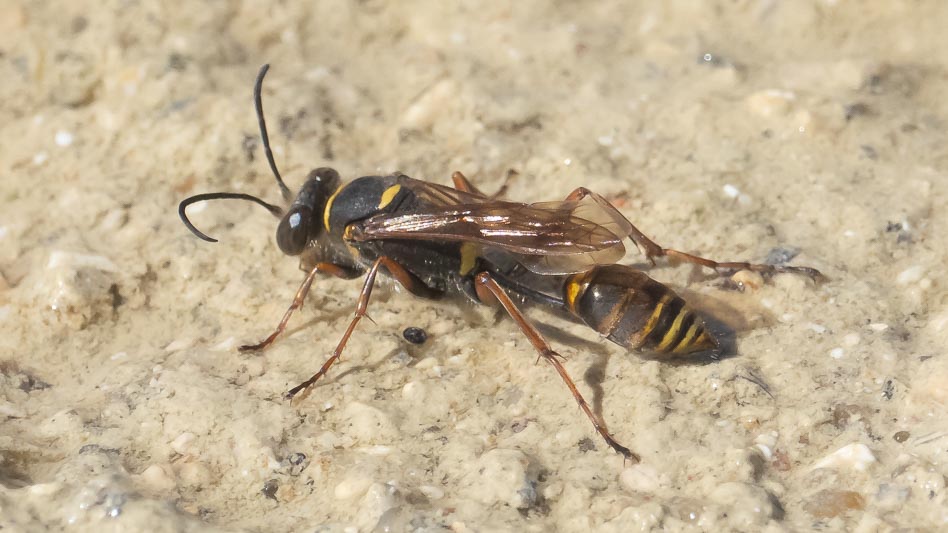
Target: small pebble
x=45, y=489
x=159, y=477
x=431, y=492
x=182, y=442
x=270, y=488
x=770, y=102
x=910, y=275
x=63, y=138
x=640, y=478
x=878, y=326
x=353, y=486
x=836, y=353
x=901, y=436
x=854, y=456
x=415, y=335
x=731, y=191
x=851, y=339
x=748, y=279
x=832, y=503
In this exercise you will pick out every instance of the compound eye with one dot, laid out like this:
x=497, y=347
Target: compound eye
x=293, y=231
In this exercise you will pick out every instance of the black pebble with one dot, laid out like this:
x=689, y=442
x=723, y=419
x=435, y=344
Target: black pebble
x=415, y=335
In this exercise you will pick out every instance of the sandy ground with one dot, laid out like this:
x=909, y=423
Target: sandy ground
x=736, y=129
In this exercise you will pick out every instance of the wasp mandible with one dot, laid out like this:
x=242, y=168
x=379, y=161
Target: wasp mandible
x=438, y=241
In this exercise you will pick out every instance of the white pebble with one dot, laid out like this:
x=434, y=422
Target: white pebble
x=182, y=442
x=770, y=102
x=178, y=344
x=851, y=340
x=765, y=451
x=816, y=327
x=45, y=489
x=352, y=487
x=159, y=477
x=837, y=353
x=225, y=345
x=878, y=326
x=767, y=439
x=731, y=191
x=640, y=478
x=910, y=275
x=63, y=138
x=61, y=259
x=854, y=456
x=118, y=355
x=39, y=158
x=375, y=450
x=431, y=492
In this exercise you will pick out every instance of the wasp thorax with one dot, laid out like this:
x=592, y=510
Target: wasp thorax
x=301, y=224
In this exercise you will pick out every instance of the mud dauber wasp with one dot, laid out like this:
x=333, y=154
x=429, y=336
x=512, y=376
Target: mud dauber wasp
x=437, y=241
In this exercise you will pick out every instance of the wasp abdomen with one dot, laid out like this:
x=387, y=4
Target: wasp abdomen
x=635, y=311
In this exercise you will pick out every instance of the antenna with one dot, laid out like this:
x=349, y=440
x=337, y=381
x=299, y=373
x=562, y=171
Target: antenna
x=258, y=105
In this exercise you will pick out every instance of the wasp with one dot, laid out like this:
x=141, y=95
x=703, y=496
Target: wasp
x=438, y=241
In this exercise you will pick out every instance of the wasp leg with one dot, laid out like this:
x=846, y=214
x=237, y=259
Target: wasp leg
x=461, y=183
x=402, y=276
x=651, y=249
x=484, y=282
x=326, y=268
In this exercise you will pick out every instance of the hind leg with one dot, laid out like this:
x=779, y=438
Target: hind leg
x=653, y=250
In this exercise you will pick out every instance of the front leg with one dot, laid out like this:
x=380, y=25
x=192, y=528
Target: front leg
x=326, y=268
x=402, y=276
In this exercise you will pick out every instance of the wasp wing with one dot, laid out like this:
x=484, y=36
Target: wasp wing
x=548, y=237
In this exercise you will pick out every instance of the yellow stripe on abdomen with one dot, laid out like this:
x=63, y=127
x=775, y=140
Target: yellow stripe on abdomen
x=673, y=331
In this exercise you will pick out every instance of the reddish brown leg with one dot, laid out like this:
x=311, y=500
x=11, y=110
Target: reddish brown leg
x=652, y=250
x=461, y=183
x=326, y=268
x=484, y=282
x=402, y=276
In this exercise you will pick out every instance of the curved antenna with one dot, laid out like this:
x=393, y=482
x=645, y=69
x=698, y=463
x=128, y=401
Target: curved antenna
x=258, y=105
x=275, y=210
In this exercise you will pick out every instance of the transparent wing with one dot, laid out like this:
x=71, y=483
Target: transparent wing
x=548, y=237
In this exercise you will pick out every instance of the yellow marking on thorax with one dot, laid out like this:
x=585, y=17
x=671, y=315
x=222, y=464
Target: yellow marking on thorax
x=672, y=331
x=469, y=253
x=388, y=195
x=329, y=207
